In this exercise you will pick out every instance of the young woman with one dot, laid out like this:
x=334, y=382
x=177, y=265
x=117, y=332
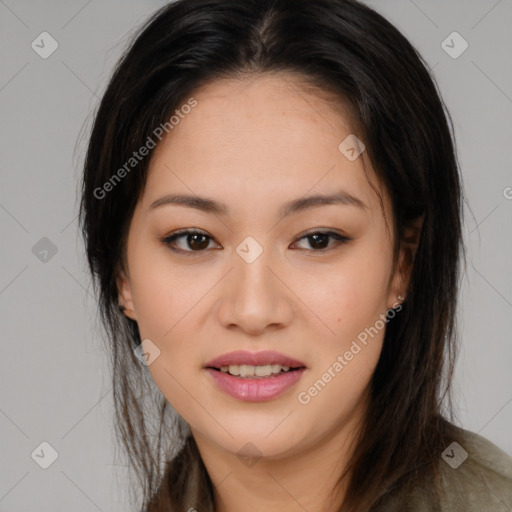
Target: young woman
x=272, y=214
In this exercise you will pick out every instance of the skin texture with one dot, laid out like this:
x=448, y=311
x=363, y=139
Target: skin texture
x=295, y=298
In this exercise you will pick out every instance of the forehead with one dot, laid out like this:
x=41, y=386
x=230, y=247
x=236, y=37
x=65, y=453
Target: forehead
x=260, y=137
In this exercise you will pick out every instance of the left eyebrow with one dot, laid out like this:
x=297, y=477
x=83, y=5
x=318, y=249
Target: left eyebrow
x=297, y=205
x=342, y=198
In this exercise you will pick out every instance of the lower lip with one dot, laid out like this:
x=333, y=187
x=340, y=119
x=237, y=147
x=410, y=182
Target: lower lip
x=259, y=389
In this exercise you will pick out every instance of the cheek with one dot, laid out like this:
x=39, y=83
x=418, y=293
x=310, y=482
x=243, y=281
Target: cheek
x=350, y=297
x=351, y=302
x=164, y=299
x=162, y=293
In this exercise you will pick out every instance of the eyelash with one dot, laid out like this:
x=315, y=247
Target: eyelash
x=168, y=240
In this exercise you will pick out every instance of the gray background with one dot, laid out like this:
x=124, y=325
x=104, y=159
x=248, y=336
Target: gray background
x=55, y=383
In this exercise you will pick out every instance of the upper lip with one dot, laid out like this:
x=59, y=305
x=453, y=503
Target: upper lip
x=254, y=359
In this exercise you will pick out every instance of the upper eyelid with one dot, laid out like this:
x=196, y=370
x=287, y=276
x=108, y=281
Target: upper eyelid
x=193, y=231
x=185, y=232
x=313, y=231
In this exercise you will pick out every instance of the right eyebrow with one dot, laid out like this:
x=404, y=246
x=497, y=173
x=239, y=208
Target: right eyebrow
x=200, y=203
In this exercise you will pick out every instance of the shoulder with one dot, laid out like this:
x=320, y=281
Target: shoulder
x=476, y=475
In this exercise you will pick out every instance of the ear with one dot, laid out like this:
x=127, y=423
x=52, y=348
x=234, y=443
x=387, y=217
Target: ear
x=125, y=295
x=408, y=246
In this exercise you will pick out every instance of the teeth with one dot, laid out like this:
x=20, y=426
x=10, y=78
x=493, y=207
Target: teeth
x=246, y=370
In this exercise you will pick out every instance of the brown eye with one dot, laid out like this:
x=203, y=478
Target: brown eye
x=194, y=241
x=197, y=241
x=319, y=240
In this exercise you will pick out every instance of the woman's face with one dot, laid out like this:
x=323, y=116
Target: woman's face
x=261, y=274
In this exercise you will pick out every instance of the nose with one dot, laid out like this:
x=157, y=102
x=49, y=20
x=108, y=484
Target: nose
x=254, y=298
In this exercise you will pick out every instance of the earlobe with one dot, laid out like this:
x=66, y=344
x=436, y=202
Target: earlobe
x=125, y=296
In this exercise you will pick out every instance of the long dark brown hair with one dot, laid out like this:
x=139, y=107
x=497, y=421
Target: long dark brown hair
x=345, y=48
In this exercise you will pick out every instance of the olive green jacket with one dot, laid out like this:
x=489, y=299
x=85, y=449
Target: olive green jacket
x=476, y=476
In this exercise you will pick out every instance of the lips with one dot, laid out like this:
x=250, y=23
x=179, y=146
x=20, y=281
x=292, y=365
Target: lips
x=262, y=358
x=255, y=389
